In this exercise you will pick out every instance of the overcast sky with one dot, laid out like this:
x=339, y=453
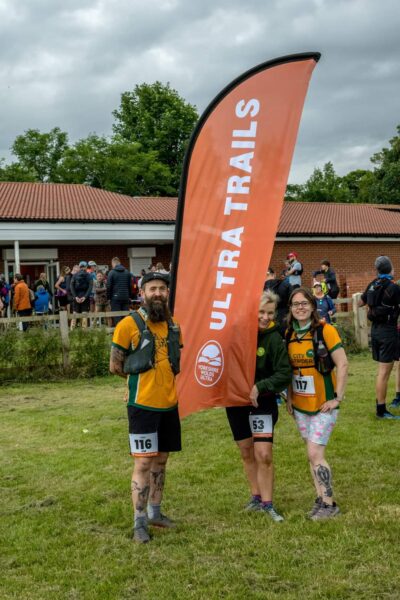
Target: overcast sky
x=66, y=64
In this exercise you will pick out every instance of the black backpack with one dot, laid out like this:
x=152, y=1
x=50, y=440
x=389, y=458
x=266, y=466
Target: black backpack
x=324, y=365
x=378, y=311
x=299, y=271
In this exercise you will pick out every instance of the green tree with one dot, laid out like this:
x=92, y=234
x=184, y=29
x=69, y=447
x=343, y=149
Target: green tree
x=14, y=172
x=294, y=193
x=40, y=153
x=385, y=188
x=155, y=116
x=115, y=165
x=325, y=185
x=359, y=183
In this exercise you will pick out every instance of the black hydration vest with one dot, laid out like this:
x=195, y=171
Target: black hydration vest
x=378, y=311
x=142, y=358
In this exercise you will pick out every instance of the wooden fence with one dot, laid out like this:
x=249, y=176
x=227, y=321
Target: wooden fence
x=62, y=322
x=358, y=316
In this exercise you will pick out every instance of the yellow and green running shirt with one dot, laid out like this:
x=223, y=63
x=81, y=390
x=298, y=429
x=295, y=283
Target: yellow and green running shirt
x=310, y=389
x=154, y=389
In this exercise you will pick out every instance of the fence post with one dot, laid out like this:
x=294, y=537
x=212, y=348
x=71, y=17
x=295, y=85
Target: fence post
x=64, y=338
x=360, y=322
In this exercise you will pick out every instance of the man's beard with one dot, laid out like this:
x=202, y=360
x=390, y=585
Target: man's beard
x=157, y=310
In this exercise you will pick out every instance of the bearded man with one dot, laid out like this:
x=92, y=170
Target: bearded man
x=146, y=350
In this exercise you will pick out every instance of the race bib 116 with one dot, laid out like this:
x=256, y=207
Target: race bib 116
x=143, y=444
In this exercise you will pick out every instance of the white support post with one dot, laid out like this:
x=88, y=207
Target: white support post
x=16, y=257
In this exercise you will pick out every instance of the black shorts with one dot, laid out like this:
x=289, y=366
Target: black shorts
x=239, y=421
x=385, y=343
x=63, y=300
x=163, y=426
x=80, y=307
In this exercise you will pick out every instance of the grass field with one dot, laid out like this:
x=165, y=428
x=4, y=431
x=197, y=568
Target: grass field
x=65, y=514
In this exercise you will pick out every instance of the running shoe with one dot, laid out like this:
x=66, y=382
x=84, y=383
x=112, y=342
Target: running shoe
x=273, y=513
x=395, y=403
x=162, y=521
x=140, y=531
x=326, y=511
x=388, y=415
x=253, y=505
x=316, y=506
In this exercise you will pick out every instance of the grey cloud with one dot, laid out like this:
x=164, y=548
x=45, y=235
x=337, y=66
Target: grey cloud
x=67, y=65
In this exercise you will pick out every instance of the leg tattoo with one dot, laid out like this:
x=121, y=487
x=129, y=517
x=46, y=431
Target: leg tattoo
x=324, y=477
x=157, y=479
x=141, y=495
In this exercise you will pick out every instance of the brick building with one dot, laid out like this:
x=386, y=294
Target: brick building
x=46, y=226
x=351, y=236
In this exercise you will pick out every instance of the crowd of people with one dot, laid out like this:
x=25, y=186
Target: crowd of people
x=299, y=357
x=84, y=288
x=325, y=287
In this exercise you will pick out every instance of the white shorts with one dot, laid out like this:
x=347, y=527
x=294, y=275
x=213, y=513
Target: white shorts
x=316, y=428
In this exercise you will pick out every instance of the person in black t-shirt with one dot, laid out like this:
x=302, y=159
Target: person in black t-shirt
x=382, y=296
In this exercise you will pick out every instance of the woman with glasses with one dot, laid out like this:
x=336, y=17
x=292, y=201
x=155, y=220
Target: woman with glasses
x=315, y=354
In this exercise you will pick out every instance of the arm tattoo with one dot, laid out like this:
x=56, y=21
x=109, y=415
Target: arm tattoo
x=117, y=358
x=142, y=495
x=324, y=478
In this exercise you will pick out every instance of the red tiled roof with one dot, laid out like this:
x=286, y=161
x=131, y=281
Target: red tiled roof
x=325, y=218
x=73, y=202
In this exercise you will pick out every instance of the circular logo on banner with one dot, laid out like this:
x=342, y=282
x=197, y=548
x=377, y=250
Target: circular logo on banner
x=209, y=364
x=310, y=353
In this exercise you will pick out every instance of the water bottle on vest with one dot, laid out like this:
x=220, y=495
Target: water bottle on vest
x=323, y=359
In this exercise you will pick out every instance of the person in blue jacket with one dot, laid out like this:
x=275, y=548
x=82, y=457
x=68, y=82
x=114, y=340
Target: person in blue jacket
x=42, y=299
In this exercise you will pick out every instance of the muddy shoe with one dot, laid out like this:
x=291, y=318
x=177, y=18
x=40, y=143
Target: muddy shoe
x=162, y=521
x=272, y=513
x=316, y=506
x=141, y=532
x=253, y=505
x=326, y=511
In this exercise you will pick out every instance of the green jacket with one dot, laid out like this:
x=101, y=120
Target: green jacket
x=273, y=371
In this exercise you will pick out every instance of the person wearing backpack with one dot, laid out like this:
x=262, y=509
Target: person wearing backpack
x=382, y=296
x=146, y=352
x=325, y=307
x=314, y=396
x=294, y=270
x=329, y=279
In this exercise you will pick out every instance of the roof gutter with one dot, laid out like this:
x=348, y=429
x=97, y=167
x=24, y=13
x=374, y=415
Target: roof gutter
x=337, y=238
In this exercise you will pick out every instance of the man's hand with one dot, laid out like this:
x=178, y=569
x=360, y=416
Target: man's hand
x=254, y=395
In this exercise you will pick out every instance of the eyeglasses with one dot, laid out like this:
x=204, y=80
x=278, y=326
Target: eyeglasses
x=300, y=304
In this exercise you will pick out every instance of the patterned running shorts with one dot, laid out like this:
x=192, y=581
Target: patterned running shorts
x=316, y=428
